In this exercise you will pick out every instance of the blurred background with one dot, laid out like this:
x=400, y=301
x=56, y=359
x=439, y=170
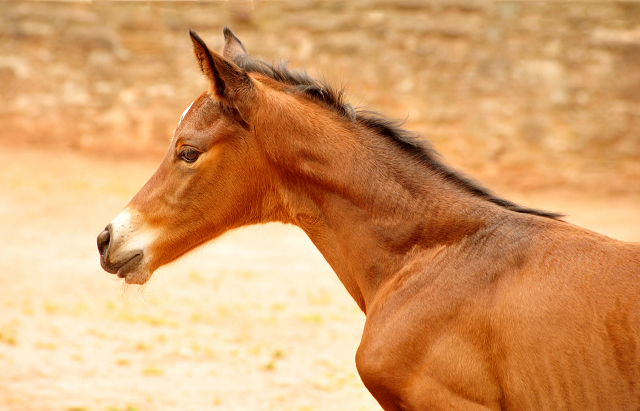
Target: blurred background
x=547, y=92
x=538, y=100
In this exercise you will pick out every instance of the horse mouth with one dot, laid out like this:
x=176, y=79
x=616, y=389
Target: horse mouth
x=125, y=267
x=129, y=266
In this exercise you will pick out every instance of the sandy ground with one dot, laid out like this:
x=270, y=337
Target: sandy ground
x=256, y=321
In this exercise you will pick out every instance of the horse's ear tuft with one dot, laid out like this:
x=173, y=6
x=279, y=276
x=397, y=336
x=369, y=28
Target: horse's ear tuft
x=233, y=47
x=227, y=81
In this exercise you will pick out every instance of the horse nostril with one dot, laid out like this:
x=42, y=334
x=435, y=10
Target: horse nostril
x=103, y=240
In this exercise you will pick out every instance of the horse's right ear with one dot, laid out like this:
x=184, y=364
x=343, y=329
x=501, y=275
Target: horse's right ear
x=227, y=81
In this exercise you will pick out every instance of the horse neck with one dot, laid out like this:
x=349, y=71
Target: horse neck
x=366, y=204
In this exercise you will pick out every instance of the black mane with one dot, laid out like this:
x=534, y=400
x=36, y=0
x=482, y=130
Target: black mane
x=300, y=82
x=410, y=142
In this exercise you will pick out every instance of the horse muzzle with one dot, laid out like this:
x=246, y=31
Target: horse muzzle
x=125, y=264
x=122, y=250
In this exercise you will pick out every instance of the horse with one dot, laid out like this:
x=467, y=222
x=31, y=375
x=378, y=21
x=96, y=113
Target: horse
x=472, y=302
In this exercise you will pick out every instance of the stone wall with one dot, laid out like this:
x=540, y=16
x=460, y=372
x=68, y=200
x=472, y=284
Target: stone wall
x=538, y=92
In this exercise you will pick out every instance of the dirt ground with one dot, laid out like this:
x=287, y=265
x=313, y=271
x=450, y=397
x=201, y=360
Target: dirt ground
x=256, y=321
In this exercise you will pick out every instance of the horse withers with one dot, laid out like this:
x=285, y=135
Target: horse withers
x=472, y=302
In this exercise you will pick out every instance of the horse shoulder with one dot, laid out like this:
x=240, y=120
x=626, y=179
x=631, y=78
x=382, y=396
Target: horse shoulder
x=566, y=329
x=424, y=341
x=503, y=321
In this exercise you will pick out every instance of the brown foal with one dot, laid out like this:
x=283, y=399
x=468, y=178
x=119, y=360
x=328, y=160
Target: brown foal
x=472, y=302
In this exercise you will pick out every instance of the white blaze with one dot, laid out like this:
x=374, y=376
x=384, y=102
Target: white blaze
x=184, y=113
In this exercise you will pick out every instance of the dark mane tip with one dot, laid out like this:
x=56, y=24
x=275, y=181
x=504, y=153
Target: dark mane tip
x=420, y=149
x=322, y=93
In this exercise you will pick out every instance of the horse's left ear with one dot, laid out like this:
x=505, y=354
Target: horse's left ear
x=233, y=47
x=227, y=81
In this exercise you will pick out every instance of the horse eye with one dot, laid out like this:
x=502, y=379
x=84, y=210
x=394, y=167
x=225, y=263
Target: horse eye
x=189, y=154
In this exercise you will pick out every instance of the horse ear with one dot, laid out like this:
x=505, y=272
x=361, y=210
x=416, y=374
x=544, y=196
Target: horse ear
x=227, y=81
x=233, y=47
